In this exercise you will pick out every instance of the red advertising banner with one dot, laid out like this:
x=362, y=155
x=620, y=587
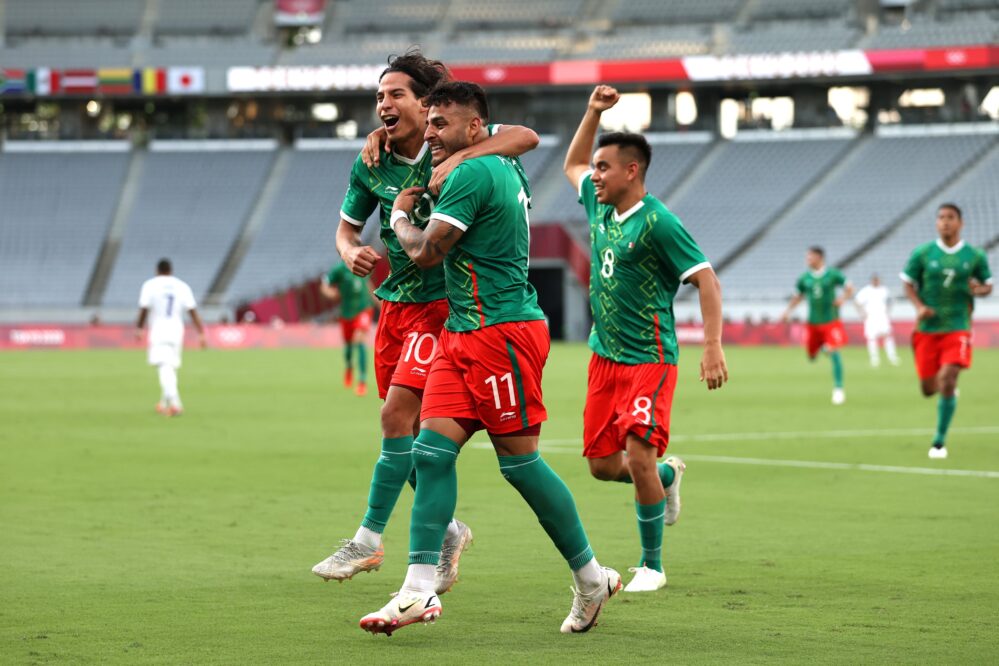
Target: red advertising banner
x=299, y=12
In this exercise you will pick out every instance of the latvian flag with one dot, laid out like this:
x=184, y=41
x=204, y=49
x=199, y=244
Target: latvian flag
x=13, y=81
x=117, y=81
x=80, y=81
x=150, y=81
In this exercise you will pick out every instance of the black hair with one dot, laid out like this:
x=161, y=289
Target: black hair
x=163, y=267
x=953, y=207
x=423, y=72
x=636, y=144
x=817, y=249
x=463, y=93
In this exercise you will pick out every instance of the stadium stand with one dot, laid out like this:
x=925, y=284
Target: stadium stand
x=388, y=15
x=470, y=14
x=190, y=207
x=656, y=42
x=218, y=17
x=955, y=29
x=797, y=35
x=643, y=12
x=56, y=52
x=801, y=9
x=80, y=17
x=56, y=212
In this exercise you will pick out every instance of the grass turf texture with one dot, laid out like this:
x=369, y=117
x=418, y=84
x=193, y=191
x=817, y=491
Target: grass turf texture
x=128, y=537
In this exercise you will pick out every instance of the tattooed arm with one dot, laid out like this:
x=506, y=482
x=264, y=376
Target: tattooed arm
x=426, y=247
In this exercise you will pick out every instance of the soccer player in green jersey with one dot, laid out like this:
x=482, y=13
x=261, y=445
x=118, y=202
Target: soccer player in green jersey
x=824, y=332
x=487, y=372
x=942, y=279
x=640, y=255
x=353, y=294
x=413, y=305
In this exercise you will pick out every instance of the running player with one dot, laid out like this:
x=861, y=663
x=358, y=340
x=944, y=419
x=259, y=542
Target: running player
x=640, y=255
x=413, y=301
x=825, y=330
x=163, y=301
x=873, y=302
x=942, y=279
x=353, y=294
x=487, y=371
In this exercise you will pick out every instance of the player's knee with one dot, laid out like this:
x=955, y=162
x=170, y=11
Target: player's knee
x=397, y=418
x=640, y=467
x=600, y=470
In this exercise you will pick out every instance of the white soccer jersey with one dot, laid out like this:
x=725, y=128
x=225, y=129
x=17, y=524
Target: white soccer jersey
x=874, y=301
x=167, y=299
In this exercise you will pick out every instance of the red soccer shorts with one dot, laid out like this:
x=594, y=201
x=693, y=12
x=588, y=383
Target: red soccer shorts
x=935, y=350
x=830, y=335
x=491, y=376
x=360, y=322
x=406, y=342
x=622, y=399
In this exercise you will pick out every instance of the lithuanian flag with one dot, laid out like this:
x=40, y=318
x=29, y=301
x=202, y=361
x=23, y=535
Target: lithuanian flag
x=116, y=81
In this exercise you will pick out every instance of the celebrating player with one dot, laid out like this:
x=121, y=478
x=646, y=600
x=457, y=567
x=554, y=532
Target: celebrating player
x=873, y=301
x=163, y=300
x=640, y=255
x=825, y=330
x=487, y=371
x=942, y=279
x=413, y=301
x=353, y=294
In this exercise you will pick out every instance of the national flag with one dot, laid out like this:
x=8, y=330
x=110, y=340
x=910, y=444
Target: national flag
x=182, y=80
x=13, y=81
x=79, y=81
x=43, y=81
x=150, y=81
x=114, y=81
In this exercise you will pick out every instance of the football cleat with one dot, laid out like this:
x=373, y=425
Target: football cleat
x=673, y=491
x=404, y=609
x=586, y=607
x=646, y=580
x=447, y=568
x=838, y=396
x=348, y=378
x=174, y=411
x=938, y=452
x=161, y=408
x=362, y=389
x=349, y=560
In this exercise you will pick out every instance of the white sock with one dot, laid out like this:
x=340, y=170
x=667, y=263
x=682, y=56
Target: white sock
x=589, y=576
x=369, y=538
x=890, y=349
x=420, y=579
x=452, y=530
x=168, y=385
x=872, y=350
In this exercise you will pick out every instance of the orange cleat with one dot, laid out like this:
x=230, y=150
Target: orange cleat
x=362, y=389
x=348, y=378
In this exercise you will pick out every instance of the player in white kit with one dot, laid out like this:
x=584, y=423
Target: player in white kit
x=873, y=302
x=163, y=300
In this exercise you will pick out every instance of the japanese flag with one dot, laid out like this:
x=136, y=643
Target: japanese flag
x=185, y=80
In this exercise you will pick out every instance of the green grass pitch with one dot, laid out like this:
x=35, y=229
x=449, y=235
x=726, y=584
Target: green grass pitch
x=128, y=537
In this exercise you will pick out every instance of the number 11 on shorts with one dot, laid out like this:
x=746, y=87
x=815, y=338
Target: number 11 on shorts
x=508, y=379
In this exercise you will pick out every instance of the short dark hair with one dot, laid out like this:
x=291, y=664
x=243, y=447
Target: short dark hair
x=636, y=144
x=817, y=249
x=463, y=93
x=423, y=72
x=164, y=267
x=953, y=207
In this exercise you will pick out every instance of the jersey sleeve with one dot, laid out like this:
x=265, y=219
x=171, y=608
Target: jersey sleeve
x=799, y=286
x=587, y=194
x=839, y=279
x=335, y=275
x=678, y=248
x=981, y=271
x=188, y=302
x=913, y=271
x=464, y=193
x=359, y=201
x=145, y=295
x=861, y=297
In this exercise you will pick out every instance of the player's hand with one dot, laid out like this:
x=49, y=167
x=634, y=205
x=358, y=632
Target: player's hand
x=442, y=171
x=925, y=312
x=714, y=370
x=603, y=98
x=979, y=289
x=361, y=260
x=786, y=318
x=371, y=154
x=138, y=334
x=406, y=200
x=839, y=302
x=202, y=341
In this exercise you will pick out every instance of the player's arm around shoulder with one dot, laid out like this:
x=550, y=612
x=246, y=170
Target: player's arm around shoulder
x=714, y=369
x=506, y=140
x=455, y=210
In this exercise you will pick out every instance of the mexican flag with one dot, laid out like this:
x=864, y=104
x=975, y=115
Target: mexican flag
x=43, y=81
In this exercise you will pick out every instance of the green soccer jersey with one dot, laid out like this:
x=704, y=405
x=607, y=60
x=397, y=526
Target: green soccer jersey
x=638, y=261
x=354, y=297
x=819, y=289
x=486, y=270
x=940, y=275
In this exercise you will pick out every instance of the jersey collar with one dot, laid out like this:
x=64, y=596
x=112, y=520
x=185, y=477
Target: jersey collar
x=415, y=160
x=819, y=273
x=950, y=250
x=628, y=213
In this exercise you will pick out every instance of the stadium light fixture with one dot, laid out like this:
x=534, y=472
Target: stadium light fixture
x=990, y=105
x=728, y=118
x=93, y=108
x=632, y=113
x=922, y=97
x=326, y=112
x=686, y=108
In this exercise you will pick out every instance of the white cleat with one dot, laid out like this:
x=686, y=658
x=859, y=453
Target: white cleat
x=447, y=568
x=938, y=453
x=349, y=560
x=672, y=513
x=838, y=396
x=646, y=580
x=586, y=607
x=404, y=609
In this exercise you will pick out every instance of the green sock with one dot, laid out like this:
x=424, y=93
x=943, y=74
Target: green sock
x=434, y=457
x=666, y=474
x=348, y=354
x=945, y=412
x=412, y=478
x=552, y=503
x=837, y=363
x=362, y=363
x=650, y=532
x=391, y=471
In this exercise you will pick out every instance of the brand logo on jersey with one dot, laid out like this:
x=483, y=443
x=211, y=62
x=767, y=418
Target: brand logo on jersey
x=391, y=189
x=418, y=371
x=934, y=264
x=506, y=416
